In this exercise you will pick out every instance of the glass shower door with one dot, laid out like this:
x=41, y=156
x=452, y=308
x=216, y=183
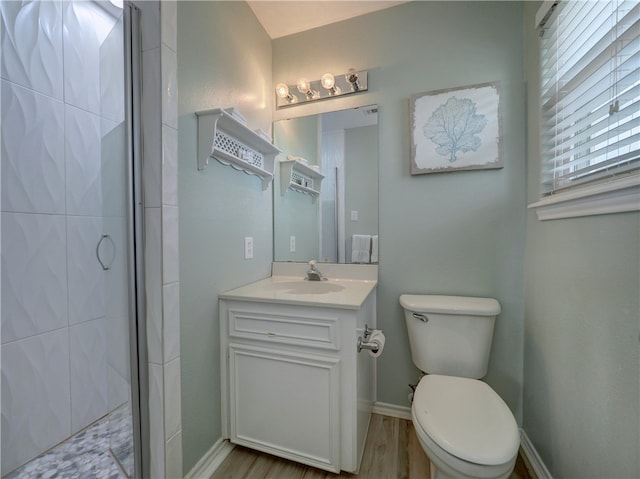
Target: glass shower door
x=113, y=251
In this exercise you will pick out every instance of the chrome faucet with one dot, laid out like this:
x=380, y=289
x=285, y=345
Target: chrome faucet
x=313, y=274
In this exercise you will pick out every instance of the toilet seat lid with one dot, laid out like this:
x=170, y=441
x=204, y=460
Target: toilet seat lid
x=466, y=418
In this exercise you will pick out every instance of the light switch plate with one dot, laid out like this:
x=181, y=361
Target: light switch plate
x=292, y=244
x=248, y=247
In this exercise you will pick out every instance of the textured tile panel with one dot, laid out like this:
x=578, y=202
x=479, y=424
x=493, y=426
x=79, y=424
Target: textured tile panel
x=151, y=130
x=114, y=168
x=169, y=27
x=86, y=276
x=156, y=420
x=170, y=256
x=112, y=74
x=153, y=283
x=116, y=279
x=35, y=396
x=171, y=321
x=172, y=400
x=34, y=275
x=169, y=70
x=88, y=362
x=33, y=175
x=83, y=162
x=174, y=456
x=32, y=45
x=86, y=26
x=169, y=166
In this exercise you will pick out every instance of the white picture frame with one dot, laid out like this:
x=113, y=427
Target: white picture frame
x=456, y=129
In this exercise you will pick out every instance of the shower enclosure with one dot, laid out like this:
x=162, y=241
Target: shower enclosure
x=68, y=238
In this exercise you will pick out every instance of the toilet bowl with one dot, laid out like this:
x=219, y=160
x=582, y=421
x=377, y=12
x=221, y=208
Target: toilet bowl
x=464, y=427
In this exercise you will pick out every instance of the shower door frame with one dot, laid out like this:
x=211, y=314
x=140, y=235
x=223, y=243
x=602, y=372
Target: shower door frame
x=135, y=247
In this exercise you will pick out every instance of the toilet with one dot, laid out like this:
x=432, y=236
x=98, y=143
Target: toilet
x=464, y=427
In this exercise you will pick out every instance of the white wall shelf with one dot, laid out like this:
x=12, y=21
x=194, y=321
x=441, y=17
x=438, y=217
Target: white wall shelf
x=300, y=177
x=229, y=140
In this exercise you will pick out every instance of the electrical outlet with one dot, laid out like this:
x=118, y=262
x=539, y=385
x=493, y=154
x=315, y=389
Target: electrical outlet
x=354, y=215
x=248, y=247
x=292, y=244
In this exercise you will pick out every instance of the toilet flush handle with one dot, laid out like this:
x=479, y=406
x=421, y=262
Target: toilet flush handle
x=421, y=317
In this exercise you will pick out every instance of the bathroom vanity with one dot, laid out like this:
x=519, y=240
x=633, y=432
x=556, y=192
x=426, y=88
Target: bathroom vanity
x=293, y=382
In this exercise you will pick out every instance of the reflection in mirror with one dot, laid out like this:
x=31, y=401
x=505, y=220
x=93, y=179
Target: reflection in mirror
x=340, y=224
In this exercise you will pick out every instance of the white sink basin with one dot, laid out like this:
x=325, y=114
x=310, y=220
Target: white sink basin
x=307, y=287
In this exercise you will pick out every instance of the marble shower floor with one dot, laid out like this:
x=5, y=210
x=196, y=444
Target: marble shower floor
x=85, y=455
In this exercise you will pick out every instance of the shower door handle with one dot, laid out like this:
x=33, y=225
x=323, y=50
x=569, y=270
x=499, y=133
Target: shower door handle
x=105, y=265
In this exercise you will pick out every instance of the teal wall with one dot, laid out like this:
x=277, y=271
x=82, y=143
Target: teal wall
x=449, y=233
x=224, y=60
x=582, y=315
x=361, y=176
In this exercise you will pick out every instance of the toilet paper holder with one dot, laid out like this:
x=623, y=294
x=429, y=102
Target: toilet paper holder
x=364, y=344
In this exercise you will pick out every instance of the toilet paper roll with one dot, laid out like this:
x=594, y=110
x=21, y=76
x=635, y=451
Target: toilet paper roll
x=377, y=338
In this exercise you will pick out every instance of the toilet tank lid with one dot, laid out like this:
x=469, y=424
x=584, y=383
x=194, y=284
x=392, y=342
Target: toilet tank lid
x=428, y=303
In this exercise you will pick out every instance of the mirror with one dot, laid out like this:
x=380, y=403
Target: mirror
x=331, y=219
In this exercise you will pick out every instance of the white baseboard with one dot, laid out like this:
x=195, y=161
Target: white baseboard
x=212, y=459
x=384, y=409
x=533, y=457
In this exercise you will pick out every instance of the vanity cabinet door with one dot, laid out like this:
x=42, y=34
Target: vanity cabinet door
x=286, y=403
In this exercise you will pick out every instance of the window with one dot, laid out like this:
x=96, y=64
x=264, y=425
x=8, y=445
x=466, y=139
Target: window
x=590, y=93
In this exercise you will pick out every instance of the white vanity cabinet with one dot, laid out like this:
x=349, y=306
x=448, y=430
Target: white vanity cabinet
x=293, y=382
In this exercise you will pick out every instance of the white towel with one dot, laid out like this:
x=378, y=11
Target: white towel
x=361, y=249
x=374, y=249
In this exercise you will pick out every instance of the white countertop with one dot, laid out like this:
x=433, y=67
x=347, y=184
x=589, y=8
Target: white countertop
x=333, y=293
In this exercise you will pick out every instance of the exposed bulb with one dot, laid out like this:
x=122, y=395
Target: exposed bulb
x=304, y=86
x=282, y=91
x=352, y=78
x=328, y=81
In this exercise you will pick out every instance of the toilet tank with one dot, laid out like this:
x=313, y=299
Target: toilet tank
x=450, y=335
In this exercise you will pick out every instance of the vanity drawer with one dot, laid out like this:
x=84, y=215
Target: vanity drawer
x=294, y=327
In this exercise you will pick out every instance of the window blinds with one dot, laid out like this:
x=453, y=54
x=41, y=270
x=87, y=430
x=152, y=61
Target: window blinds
x=590, y=87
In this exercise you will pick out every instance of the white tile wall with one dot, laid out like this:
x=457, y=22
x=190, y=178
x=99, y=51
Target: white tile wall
x=35, y=396
x=82, y=41
x=83, y=162
x=34, y=275
x=161, y=202
x=33, y=170
x=151, y=128
x=32, y=45
x=88, y=360
x=86, y=278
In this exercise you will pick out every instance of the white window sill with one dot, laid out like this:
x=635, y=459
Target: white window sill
x=615, y=196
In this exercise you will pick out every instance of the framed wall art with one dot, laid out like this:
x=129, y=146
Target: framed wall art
x=456, y=129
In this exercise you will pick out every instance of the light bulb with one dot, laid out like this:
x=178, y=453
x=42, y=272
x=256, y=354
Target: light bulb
x=353, y=79
x=328, y=81
x=304, y=85
x=282, y=90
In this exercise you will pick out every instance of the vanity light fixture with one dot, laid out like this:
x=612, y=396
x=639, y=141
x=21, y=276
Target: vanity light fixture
x=329, y=86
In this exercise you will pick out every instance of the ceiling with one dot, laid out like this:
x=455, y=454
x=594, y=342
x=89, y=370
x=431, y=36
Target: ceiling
x=281, y=18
